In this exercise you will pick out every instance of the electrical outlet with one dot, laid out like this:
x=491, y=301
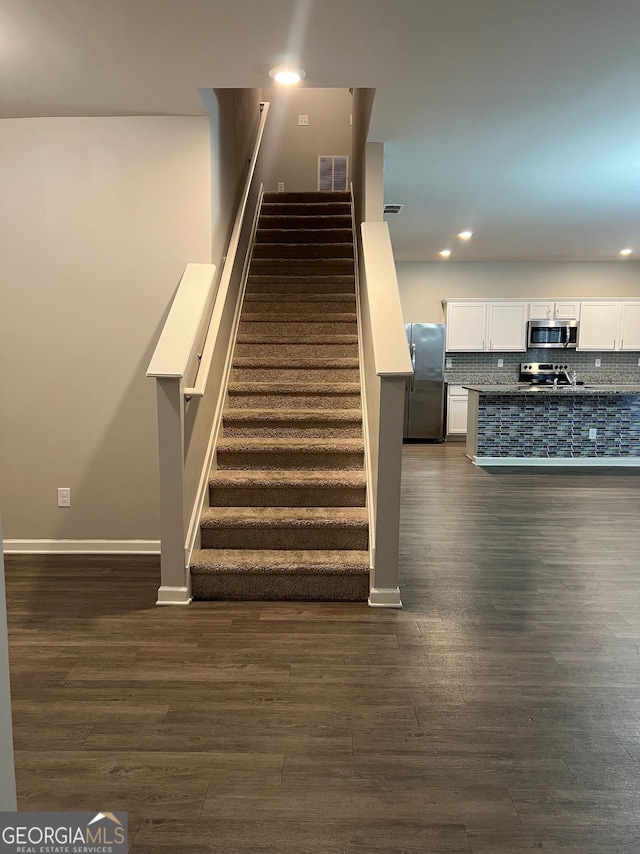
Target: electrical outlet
x=281, y=186
x=64, y=496
x=593, y=433
x=501, y=363
x=598, y=363
x=448, y=362
x=303, y=121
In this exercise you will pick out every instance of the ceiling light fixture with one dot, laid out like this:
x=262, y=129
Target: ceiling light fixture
x=287, y=76
x=626, y=251
x=465, y=235
x=445, y=253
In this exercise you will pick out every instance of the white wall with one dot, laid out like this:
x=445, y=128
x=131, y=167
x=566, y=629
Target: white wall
x=291, y=151
x=424, y=285
x=98, y=217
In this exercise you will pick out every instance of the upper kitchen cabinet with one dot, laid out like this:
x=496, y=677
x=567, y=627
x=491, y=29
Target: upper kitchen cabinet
x=630, y=326
x=599, y=326
x=466, y=326
x=550, y=310
x=507, y=326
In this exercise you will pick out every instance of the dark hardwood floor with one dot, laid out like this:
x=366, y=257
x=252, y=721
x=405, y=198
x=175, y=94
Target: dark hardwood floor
x=498, y=712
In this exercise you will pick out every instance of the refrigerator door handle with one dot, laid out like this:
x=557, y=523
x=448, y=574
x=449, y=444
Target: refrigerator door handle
x=413, y=365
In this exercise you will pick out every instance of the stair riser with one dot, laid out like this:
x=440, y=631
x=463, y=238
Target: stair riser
x=291, y=496
x=290, y=287
x=293, y=223
x=245, y=537
x=309, y=283
x=300, y=329
x=296, y=375
x=289, y=460
x=294, y=401
x=297, y=430
x=296, y=267
x=292, y=209
x=321, y=587
x=306, y=197
x=294, y=351
x=304, y=235
x=304, y=251
x=300, y=307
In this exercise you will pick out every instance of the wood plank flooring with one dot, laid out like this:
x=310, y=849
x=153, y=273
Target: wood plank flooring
x=499, y=712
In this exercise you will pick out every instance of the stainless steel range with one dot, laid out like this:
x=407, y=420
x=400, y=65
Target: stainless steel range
x=547, y=373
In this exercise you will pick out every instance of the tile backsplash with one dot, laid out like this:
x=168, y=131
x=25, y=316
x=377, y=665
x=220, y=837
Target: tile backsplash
x=483, y=367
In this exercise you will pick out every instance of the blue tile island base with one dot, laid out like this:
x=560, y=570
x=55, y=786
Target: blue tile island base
x=516, y=425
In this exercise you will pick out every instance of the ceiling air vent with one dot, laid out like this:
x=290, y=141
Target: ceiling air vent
x=333, y=173
x=394, y=209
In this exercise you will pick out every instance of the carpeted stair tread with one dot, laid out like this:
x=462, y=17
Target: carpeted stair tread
x=292, y=338
x=289, y=445
x=294, y=388
x=285, y=517
x=337, y=415
x=321, y=252
x=273, y=317
x=307, y=196
x=288, y=478
x=274, y=561
x=343, y=279
x=302, y=266
x=295, y=362
x=303, y=235
x=298, y=299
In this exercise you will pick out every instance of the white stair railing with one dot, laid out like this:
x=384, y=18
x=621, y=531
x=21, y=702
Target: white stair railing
x=191, y=365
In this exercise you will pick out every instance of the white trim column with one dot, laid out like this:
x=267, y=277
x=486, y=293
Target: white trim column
x=7, y=767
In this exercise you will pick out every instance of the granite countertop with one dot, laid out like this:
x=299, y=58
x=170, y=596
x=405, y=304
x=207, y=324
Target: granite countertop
x=526, y=389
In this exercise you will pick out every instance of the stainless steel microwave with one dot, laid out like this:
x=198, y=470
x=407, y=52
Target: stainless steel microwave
x=553, y=333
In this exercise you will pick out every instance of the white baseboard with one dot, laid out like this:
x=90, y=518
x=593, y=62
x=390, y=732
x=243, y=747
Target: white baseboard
x=89, y=547
x=601, y=462
x=174, y=596
x=385, y=597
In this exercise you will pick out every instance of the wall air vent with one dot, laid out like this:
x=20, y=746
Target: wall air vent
x=333, y=173
x=392, y=209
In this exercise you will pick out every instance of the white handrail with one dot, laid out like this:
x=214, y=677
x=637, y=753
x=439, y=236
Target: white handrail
x=390, y=351
x=197, y=390
x=177, y=340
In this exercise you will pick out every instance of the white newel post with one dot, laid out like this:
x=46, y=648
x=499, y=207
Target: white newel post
x=385, y=591
x=7, y=768
x=175, y=588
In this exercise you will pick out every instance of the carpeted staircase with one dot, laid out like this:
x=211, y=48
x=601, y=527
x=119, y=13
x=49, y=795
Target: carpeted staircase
x=287, y=516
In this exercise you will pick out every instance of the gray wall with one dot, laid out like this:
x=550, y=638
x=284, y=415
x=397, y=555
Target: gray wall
x=424, y=285
x=291, y=152
x=98, y=218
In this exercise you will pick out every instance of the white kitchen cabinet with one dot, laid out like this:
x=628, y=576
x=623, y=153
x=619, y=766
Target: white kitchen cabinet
x=457, y=404
x=507, y=326
x=466, y=326
x=566, y=310
x=630, y=326
x=599, y=326
x=551, y=310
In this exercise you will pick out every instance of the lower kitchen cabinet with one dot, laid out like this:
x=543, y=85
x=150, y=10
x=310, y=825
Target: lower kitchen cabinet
x=457, y=403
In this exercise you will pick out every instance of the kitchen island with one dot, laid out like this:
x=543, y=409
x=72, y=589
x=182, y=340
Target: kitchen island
x=586, y=425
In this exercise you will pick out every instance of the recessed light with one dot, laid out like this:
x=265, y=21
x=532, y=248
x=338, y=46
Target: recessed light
x=445, y=253
x=626, y=251
x=465, y=235
x=287, y=76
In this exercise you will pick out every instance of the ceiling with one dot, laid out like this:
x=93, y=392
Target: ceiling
x=517, y=119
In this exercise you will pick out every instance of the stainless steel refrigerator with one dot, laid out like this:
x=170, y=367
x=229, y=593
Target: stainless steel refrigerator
x=424, y=400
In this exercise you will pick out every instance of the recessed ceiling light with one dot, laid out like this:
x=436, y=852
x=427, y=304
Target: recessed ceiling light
x=287, y=76
x=445, y=253
x=465, y=235
x=626, y=251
